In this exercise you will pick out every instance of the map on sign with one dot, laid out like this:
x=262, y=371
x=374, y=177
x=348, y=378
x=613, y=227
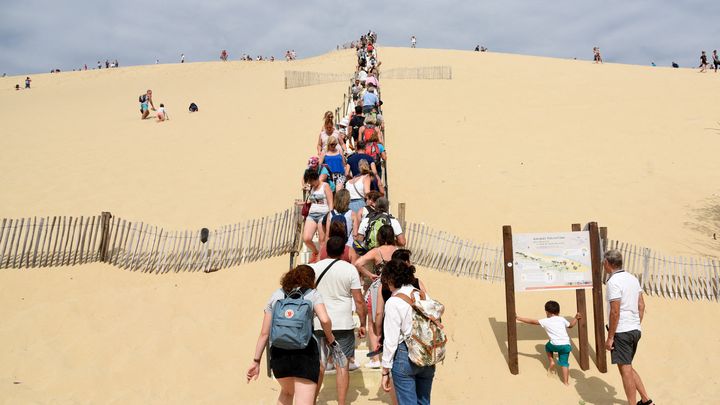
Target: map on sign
x=552, y=261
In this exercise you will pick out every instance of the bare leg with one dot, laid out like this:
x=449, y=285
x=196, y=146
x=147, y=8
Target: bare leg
x=320, y=380
x=640, y=386
x=304, y=392
x=566, y=375
x=551, y=365
x=287, y=390
x=343, y=383
x=372, y=337
x=628, y=379
x=310, y=227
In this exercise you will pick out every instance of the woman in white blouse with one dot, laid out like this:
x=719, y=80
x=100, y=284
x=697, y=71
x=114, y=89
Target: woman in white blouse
x=412, y=383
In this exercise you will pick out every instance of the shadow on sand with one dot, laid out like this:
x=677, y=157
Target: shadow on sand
x=592, y=390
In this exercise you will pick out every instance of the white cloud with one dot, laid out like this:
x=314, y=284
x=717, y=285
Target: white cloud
x=36, y=36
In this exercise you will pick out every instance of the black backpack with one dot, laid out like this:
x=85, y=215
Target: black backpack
x=193, y=107
x=142, y=98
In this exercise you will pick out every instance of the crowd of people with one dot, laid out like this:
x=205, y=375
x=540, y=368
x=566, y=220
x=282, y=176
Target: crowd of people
x=357, y=265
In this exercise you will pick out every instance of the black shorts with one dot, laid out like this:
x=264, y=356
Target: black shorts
x=626, y=344
x=302, y=363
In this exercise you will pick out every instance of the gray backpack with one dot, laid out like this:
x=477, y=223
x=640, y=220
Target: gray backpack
x=292, y=321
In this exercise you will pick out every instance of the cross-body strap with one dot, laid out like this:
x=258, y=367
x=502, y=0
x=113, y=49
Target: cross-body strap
x=317, y=283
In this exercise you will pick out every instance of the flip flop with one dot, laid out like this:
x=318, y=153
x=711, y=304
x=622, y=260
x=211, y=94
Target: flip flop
x=648, y=402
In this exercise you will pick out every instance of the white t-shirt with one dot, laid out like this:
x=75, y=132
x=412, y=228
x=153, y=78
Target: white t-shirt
x=397, y=228
x=335, y=289
x=556, y=328
x=279, y=294
x=625, y=287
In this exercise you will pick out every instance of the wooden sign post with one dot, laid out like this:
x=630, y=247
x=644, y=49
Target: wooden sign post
x=510, y=299
x=583, y=343
x=598, y=315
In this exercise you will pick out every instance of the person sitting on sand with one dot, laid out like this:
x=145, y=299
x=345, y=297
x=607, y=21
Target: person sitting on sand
x=297, y=371
x=703, y=62
x=559, y=343
x=17, y=87
x=162, y=114
x=144, y=100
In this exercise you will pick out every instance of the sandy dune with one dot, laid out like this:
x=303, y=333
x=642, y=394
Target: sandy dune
x=532, y=142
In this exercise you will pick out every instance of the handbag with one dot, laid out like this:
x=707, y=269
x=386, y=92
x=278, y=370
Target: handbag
x=306, y=206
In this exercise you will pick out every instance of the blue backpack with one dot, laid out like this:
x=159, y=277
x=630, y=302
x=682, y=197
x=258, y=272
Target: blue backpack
x=292, y=321
x=338, y=217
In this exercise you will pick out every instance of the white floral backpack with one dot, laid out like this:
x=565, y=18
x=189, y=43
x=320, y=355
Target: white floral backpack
x=426, y=343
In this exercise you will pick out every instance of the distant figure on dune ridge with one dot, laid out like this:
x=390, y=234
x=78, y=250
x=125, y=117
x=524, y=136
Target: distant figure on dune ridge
x=224, y=55
x=716, y=60
x=144, y=100
x=596, y=55
x=182, y=58
x=413, y=41
x=27, y=82
x=626, y=308
x=675, y=65
x=703, y=62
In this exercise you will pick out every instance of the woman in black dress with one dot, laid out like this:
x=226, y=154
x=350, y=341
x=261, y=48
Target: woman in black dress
x=297, y=371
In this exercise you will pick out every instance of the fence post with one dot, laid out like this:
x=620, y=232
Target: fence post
x=401, y=215
x=105, y=235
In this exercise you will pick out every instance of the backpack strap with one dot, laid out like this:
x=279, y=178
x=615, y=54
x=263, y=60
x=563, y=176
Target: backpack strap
x=317, y=283
x=411, y=301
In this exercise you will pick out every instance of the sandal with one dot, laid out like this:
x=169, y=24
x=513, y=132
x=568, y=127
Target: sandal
x=648, y=402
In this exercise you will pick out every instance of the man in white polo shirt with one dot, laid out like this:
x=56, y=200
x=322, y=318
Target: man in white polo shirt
x=626, y=308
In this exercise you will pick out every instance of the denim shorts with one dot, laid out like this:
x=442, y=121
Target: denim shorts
x=317, y=216
x=357, y=204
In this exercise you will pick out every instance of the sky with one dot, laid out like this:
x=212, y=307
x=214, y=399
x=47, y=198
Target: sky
x=37, y=36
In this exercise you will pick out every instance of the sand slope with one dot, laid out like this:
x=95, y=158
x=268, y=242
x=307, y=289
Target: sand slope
x=536, y=143
x=99, y=335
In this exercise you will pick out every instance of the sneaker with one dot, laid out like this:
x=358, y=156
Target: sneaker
x=373, y=364
x=353, y=366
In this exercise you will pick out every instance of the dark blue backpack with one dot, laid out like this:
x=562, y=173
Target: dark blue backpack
x=340, y=218
x=292, y=321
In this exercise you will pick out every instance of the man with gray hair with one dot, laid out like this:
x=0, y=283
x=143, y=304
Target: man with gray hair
x=626, y=308
x=382, y=213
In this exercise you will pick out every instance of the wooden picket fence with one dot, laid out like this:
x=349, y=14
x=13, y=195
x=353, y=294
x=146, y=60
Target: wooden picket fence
x=134, y=245
x=294, y=78
x=419, y=73
x=446, y=252
x=674, y=277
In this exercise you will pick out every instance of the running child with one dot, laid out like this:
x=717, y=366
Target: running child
x=555, y=326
